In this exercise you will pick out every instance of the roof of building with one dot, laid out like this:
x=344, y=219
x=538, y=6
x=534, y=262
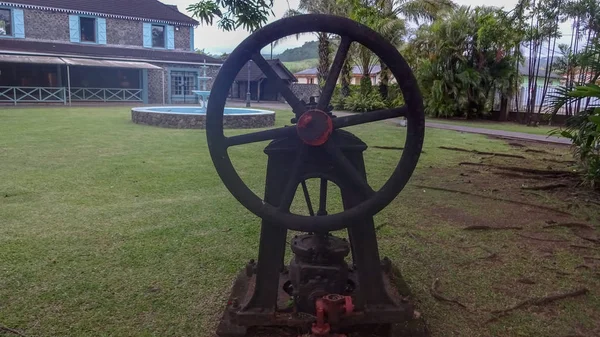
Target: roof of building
x=150, y=10
x=102, y=51
x=257, y=74
x=356, y=70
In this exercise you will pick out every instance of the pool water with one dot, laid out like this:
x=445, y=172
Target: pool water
x=192, y=110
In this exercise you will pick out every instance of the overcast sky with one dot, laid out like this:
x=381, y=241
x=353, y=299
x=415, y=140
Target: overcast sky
x=215, y=41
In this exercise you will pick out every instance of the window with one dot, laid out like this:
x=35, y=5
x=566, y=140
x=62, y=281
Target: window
x=5, y=22
x=183, y=82
x=158, y=36
x=88, y=29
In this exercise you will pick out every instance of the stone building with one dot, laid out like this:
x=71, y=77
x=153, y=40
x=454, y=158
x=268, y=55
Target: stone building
x=63, y=51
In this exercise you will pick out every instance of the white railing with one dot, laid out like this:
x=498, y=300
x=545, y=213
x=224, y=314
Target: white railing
x=32, y=94
x=106, y=95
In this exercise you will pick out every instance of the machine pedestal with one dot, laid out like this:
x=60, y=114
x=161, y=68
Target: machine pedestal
x=398, y=320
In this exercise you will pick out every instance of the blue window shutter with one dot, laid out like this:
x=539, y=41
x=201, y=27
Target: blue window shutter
x=74, y=28
x=170, y=37
x=101, y=30
x=147, y=35
x=19, y=23
x=192, y=48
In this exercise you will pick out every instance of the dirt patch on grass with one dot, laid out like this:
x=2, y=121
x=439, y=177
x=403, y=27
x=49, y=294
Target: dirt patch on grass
x=515, y=233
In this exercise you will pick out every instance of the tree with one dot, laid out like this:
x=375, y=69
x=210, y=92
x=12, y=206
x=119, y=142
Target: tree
x=388, y=18
x=320, y=7
x=583, y=128
x=585, y=17
x=542, y=33
x=419, y=10
x=465, y=57
x=232, y=14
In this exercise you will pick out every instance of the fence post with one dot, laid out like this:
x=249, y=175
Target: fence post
x=15, y=95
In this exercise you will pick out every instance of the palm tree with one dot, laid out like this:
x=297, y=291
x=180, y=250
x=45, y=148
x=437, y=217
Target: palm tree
x=320, y=7
x=389, y=19
x=419, y=10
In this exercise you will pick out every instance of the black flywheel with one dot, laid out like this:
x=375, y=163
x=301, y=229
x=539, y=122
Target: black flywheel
x=314, y=126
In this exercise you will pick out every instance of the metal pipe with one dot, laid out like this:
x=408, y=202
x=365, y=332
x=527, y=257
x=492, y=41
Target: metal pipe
x=163, y=87
x=69, y=82
x=248, y=89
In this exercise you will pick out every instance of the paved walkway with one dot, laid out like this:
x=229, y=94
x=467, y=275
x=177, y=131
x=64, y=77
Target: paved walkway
x=500, y=133
x=459, y=128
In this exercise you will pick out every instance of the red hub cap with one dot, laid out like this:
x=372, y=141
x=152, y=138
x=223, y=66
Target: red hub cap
x=314, y=127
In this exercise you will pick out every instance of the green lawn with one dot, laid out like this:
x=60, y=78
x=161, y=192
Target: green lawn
x=108, y=228
x=494, y=125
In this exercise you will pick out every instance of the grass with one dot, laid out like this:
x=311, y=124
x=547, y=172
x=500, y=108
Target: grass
x=296, y=66
x=109, y=228
x=494, y=125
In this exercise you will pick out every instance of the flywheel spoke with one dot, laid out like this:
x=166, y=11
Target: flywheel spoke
x=307, y=198
x=260, y=136
x=355, y=177
x=297, y=106
x=368, y=117
x=290, y=189
x=334, y=73
x=323, y=198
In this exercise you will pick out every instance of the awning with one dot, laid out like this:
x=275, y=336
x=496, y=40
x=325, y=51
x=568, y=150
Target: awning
x=30, y=59
x=108, y=63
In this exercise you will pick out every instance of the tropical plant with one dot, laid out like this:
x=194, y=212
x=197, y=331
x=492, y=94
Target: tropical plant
x=578, y=65
x=583, y=130
x=463, y=58
x=361, y=102
x=388, y=18
x=392, y=24
x=232, y=14
x=572, y=65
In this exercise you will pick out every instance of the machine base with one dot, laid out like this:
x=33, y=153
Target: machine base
x=400, y=320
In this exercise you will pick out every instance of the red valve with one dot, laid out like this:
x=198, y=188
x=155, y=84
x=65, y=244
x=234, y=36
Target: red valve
x=314, y=127
x=329, y=310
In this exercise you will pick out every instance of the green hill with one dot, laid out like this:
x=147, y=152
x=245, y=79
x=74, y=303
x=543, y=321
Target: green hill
x=297, y=66
x=309, y=50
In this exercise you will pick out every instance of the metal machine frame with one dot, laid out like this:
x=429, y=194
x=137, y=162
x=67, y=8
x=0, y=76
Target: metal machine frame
x=319, y=290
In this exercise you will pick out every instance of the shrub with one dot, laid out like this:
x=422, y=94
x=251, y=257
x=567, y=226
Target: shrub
x=395, y=98
x=338, y=102
x=583, y=130
x=360, y=103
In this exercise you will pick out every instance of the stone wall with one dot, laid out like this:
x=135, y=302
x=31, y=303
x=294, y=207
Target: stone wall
x=54, y=26
x=182, y=38
x=198, y=121
x=305, y=91
x=155, y=84
x=46, y=25
x=124, y=32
